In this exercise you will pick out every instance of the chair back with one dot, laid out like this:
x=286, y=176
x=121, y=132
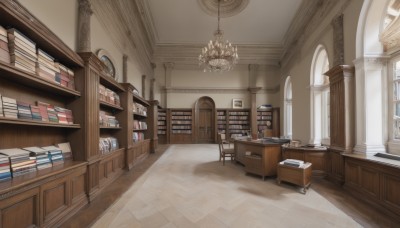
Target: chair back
x=220, y=144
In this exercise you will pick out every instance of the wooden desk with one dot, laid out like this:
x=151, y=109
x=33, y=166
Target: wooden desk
x=265, y=161
x=300, y=176
x=318, y=156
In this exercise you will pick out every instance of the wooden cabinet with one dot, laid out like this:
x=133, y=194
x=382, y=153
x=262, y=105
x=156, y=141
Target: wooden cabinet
x=300, y=176
x=181, y=126
x=318, y=157
x=342, y=124
x=375, y=181
x=262, y=159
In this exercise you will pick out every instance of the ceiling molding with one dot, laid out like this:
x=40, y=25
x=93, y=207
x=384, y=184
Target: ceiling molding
x=188, y=54
x=307, y=19
x=215, y=90
x=121, y=20
x=228, y=8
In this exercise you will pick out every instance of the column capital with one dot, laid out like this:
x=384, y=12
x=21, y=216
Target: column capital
x=169, y=65
x=85, y=7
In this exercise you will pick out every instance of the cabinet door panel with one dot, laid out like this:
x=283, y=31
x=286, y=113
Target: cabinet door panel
x=55, y=196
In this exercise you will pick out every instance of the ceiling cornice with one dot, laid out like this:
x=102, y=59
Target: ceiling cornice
x=188, y=54
x=308, y=17
x=122, y=21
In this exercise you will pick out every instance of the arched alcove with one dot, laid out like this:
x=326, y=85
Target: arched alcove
x=205, y=124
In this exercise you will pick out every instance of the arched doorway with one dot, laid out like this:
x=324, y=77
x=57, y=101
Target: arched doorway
x=205, y=120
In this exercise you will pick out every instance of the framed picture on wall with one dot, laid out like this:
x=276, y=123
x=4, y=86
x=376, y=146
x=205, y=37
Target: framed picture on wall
x=237, y=103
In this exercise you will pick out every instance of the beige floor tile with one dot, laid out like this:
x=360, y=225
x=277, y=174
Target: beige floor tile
x=188, y=187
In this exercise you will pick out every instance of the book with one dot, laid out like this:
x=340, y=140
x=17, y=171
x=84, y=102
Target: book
x=22, y=37
x=66, y=150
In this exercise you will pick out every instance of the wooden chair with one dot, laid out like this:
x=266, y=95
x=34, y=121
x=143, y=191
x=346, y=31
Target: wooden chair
x=225, y=152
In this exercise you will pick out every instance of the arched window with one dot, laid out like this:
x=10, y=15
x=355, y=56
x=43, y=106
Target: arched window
x=319, y=89
x=288, y=108
x=389, y=34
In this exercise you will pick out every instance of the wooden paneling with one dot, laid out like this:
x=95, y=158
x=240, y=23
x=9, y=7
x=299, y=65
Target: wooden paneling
x=55, y=196
x=317, y=157
x=21, y=210
x=336, y=166
x=374, y=182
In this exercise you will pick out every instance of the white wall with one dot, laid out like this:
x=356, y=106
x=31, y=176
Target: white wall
x=193, y=83
x=300, y=68
x=61, y=17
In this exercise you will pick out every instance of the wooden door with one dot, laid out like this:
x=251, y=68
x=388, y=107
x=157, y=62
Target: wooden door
x=205, y=126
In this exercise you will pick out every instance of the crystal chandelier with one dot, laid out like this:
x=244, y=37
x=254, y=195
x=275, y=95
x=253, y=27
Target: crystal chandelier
x=218, y=56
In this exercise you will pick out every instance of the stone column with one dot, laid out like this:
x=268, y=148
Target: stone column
x=168, y=80
x=144, y=86
x=370, y=104
x=338, y=41
x=125, y=69
x=85, y=11
x=253, y=89
x=152, y=83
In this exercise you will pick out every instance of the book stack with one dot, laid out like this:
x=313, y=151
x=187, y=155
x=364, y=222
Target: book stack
x=55, y=155
x=36, y=113
x=5, y=171
x=107, y=120
x=45, y=67
x=10, y=107
x=22, y=51
x=66, y=150
x=39, y=155
x=1, y=107
x=66, y=75
x=24, y=110
x=52, y=113
x=102, y=92
x=4, y=51
x=61, y=115
x=19, y=161
x=293, y=162
x=138, y=136
x=108, y=145
x=43, y=110
x=110, y=96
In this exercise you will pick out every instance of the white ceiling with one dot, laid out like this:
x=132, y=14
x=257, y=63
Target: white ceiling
x=262, y=22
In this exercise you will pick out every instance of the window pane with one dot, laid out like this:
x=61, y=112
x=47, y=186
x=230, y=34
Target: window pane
x=397, y=70
x=397, y=109
x=396, y=91
x=396, y=129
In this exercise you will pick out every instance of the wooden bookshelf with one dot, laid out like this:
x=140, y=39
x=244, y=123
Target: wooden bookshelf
x=162, y=124
x=45, y=198
x=238, y=122
x=181, y=126
x=222, y=121
x=264, y=121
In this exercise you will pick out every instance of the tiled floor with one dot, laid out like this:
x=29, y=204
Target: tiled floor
x=188, y=187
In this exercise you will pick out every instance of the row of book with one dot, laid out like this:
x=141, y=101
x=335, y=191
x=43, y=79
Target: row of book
x=181, y=117
x=181, y=127
x=239, y=127
x=139, y=109
x=264, y=117
x=238, y=117
x=41, y=111
x=139, y=125
x=108, y=120
x=16, y=161
x=238, y=113
x=162, y=118
x=108, y=145
x=138, y=136
x=238, y=122
x=162, y=127
x=109, y=96
x=182, y=113
x=23, y=54
x=181, y=131
x=181, y=122
x=161, y=132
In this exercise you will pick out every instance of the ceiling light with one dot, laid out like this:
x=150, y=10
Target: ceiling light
x=218, y=56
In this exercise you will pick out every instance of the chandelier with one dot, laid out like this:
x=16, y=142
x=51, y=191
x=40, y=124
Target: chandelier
x=218, y=55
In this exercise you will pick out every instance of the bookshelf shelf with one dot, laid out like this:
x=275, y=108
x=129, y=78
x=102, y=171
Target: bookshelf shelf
x=4, y=120
x=140, y=100
x=139, y=115
x=111, y=128
x=109, y=105
x=111, y=83
x=12, y=73
x=34, y=177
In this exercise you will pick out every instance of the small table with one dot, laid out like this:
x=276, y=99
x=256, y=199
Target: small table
x=300, y=176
